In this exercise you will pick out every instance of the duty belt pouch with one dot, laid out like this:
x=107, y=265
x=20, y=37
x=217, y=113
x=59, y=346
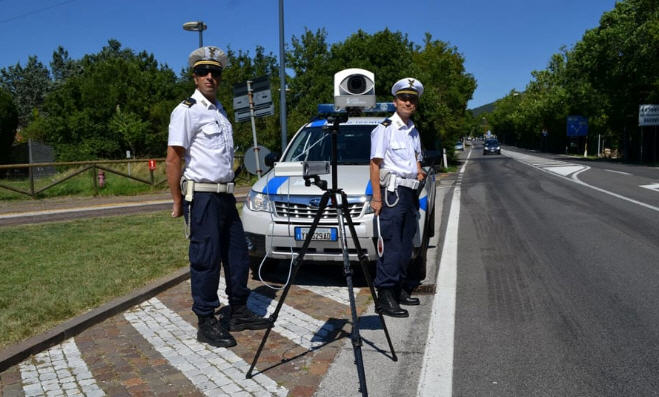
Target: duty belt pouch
x=387, y=179
x=187, y=189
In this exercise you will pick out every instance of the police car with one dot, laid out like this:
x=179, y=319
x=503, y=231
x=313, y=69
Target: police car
x=280, y=209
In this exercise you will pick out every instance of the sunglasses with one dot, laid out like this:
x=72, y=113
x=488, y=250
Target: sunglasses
x=408, y=97
x=201, y=72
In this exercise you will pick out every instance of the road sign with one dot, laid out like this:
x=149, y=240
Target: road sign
x=648, y=115
x=261, y=98
x=152, y=165
x=577, y=126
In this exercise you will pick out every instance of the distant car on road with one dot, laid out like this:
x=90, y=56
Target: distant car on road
x=459, y=146
x=491, y=146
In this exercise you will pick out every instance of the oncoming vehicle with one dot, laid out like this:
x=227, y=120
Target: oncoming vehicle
x=491, y=146
x=279, y=210
x=459, y=146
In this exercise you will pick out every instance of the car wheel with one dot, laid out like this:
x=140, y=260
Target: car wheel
x=417, y=269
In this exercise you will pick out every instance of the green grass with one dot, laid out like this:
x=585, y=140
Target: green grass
x=52, y=272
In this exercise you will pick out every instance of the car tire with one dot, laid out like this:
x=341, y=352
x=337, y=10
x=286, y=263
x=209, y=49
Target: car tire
x=418, y=267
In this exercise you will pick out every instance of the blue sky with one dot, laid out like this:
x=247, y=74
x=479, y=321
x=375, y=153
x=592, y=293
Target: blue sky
x=502, y=41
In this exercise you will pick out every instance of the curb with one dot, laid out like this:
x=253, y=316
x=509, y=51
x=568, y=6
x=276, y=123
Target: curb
x=16, y=353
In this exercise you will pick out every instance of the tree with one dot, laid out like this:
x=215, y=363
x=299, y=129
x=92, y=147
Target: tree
x=79, y=116
x=28, y=86
x=8, y=124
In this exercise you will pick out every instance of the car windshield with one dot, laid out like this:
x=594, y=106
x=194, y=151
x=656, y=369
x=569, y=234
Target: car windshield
x=492, y=142
x=314, y=144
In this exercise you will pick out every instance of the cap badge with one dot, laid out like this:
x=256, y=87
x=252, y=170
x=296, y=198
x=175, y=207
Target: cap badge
x=411, y=81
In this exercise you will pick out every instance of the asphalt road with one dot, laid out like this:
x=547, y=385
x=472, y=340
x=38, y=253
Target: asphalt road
x=557, y=275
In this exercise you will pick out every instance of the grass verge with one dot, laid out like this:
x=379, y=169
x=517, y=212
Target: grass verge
x=53, y=272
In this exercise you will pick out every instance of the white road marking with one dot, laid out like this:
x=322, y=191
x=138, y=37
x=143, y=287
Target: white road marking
x=617, y=172
x=291, y=323
x=654, y=186
x=436, y=377
x=565, y=170
x=338, y=294
x=59, y=371
x=214, y=371
x=574, y=177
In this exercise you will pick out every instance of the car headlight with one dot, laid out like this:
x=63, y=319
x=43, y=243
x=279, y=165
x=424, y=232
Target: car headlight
x=258, y=201
x=498, y=147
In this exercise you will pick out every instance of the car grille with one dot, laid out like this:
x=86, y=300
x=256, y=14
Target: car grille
x=303, y=211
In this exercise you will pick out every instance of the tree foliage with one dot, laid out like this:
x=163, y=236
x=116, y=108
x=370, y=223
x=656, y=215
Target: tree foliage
x=116, y=100
x=605, y=77
x=8, y=124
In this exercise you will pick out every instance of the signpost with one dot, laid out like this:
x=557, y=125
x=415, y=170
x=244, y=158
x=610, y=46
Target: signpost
x=253, y=99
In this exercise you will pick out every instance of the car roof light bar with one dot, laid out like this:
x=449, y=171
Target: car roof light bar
x=379, y=107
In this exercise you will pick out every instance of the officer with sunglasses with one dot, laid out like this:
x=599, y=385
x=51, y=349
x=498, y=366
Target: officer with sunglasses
x=396, y=167
x=200, y=135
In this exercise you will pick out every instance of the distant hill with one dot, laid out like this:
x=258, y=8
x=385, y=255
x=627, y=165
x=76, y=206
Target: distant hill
x=488, y=108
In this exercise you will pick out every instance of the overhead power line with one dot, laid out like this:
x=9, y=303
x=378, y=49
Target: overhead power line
x=35, y=11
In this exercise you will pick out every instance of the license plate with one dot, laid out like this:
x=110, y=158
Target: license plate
x=320, y=234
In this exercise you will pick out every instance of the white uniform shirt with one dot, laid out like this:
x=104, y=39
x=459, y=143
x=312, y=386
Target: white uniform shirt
x=398, y=145
x=205, y=132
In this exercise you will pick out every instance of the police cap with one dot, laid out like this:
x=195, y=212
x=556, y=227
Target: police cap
x=209, y=56
x=407, y=85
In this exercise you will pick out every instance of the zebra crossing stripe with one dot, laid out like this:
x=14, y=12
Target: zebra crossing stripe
x=291, y=323
x=337, y=294
x=214, y=371
x=58, y=371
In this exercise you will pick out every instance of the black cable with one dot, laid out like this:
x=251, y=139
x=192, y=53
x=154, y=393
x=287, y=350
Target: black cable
x=35, y=11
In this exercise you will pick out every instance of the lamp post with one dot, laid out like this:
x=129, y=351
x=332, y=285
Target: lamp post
x=196, y=26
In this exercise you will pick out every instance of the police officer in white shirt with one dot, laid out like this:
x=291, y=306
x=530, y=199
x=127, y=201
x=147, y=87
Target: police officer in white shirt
x=396, y=168
x=201, y=135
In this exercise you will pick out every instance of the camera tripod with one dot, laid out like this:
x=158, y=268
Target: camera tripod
x=339, y=200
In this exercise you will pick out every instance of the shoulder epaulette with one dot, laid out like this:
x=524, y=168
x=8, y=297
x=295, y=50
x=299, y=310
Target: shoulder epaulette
x=189, y=102
x=386, y=122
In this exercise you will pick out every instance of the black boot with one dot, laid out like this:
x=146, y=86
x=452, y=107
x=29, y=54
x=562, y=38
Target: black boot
x=404, y=298
x=242, y=318
x=388, y=305
x=210, y=331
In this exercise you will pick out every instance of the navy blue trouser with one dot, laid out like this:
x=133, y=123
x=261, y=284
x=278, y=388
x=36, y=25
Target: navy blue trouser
x=216, y=236
x=398, y=225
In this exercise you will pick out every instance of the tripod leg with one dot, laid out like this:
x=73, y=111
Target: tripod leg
x=363, y=262
x=298, y=261
x=355, y=337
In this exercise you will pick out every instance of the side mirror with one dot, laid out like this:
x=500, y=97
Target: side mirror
x=271, y=158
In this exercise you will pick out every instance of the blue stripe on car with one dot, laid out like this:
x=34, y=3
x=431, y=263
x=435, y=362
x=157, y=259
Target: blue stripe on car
x=423, y=203
x=273, y=184
x=369, y=188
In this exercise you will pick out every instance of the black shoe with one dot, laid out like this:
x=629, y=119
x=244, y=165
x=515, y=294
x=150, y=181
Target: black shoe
x=404, y=298
x=388, y=305
x=210, y=331
x=242, y=318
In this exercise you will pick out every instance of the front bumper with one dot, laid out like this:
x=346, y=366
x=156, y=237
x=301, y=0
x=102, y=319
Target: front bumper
x=266, y=236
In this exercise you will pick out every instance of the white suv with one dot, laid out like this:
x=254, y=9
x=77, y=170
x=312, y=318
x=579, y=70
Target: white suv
x=279, y=210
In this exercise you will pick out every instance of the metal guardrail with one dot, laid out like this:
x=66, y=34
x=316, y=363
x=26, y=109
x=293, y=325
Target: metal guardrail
x=86, y=165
